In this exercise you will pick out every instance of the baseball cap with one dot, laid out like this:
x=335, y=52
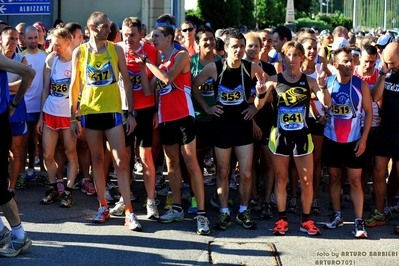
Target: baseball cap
x=39, y=25
x=324, y=33
x=384, y=40
x=339, y=43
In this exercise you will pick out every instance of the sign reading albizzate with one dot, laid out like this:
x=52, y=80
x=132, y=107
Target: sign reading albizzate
x=25, y=7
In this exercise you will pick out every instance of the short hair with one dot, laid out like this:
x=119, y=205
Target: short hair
x=254, y=35
x=304, y=31
x=189, y=22
x=7, y=30
x=95, y=18
x=283, y=32
x=114, y=31
x=30, y=28
x=62, y=33
x=369, y=49
x=57, y=21
x=201, y=30
x=339, y=30
x=343, y=49
x=167, y=18
x=219, y=44
x=131, y=22
x=72, y=26
x=292, y=44
x=234, y=34
x=308, y=39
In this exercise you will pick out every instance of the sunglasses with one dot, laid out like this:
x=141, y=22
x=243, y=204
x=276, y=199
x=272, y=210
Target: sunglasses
x=188, y=29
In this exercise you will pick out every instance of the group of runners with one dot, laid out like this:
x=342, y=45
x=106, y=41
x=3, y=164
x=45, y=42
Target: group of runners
x=273, y=104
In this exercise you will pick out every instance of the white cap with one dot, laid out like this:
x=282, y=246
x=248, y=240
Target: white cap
x=339, y=43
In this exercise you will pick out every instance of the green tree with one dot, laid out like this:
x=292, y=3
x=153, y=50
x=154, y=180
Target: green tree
x=270, y=12
x=247, y=13
x=220, y=13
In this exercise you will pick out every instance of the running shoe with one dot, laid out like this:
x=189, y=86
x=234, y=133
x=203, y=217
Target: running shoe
x=255, y=205
x=5, y=236
x=310, y=228
x=223, y=222
x=376, y=219
x=172, y=215
x=292, y=205
x=31, y=175
x=193, y=205
x=164, y=191
x=51, y=196
x=169, y=202
x=202, y=225
x=88, y=187
x=21, y=182
x=155, y=199
x=315, y=209
x=66, y=200
x=185, y=192
x=244, y=219
x=43, y=180
x=118, y=210
x=102, y=215
x=159, y=180
x=335, y=221
x=281, y=227
x=138, y=167
x=211, y=181
x=208, y=160
x=152, y=210
x=266, y=211
x=359, y=230
x=215, y=202
x=132, y=223
x=15, y=246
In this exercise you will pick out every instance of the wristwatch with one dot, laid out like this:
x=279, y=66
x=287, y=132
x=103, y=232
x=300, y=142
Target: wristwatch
x=382, y=73
x=133, y=113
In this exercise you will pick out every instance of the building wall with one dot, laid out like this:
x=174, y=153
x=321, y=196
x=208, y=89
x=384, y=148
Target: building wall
x=117, y=10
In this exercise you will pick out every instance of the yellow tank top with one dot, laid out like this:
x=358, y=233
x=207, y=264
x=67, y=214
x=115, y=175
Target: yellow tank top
x=99, y=74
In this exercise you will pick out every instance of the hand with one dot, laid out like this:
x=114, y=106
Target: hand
x=155, y=120
x=215, y=110
x=39, y=126
x=261, y=83
x=321, y=75
x=249, y=112
x=76, y=129
x=256, y=132
x=322, y=120
x=130, y=124
x=384, y=66
x=360, y=147
x=139, y=58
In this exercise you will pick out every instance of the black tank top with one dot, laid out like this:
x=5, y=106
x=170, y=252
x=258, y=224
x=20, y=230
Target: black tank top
x=292, y=105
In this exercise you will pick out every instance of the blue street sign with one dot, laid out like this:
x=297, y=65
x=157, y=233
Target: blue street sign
x=25, y=7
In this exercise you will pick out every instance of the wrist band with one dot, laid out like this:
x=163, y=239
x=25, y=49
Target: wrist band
x=145, y=59
x=73, y=120
x=261, y=96
x=14, y=105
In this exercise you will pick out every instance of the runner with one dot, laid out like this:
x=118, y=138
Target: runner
x=290, y=135
x=95, y=68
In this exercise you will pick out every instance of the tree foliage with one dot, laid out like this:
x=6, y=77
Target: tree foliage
x=220, y=13
x=270, y=13
x=247, y=13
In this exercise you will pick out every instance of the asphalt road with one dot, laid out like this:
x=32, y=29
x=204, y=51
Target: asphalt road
x=68, y=237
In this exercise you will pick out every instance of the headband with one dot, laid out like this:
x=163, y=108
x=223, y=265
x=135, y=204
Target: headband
x=355, y=52
x=39, y=26
x=165, y=24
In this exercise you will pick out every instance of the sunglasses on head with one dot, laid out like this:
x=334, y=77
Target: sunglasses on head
x=188, y=29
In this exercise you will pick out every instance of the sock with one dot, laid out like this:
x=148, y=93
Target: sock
x=152, y=201
x=176, y=207
x=18, y=231
x=357, y=220
x=54, y=185
x=103, y=203
x=1, y=224
x=201, y=212
x=243, y=208
x=226, y=210
x=282, y=215
x=338, y=213
x=305, y=217
x=128, y=209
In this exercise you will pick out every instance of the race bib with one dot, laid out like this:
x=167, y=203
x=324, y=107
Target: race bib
x=291, y=119
x=230, y=97
x=206, y=89
x=100, y=77
x=59, y=88
x=136, y=80
x=343, y=111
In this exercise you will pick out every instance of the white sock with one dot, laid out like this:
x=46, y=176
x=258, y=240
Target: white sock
x=18, y=231
x=243, y=208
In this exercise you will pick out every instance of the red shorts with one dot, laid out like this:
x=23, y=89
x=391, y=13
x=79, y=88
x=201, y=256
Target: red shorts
x=56, y=122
